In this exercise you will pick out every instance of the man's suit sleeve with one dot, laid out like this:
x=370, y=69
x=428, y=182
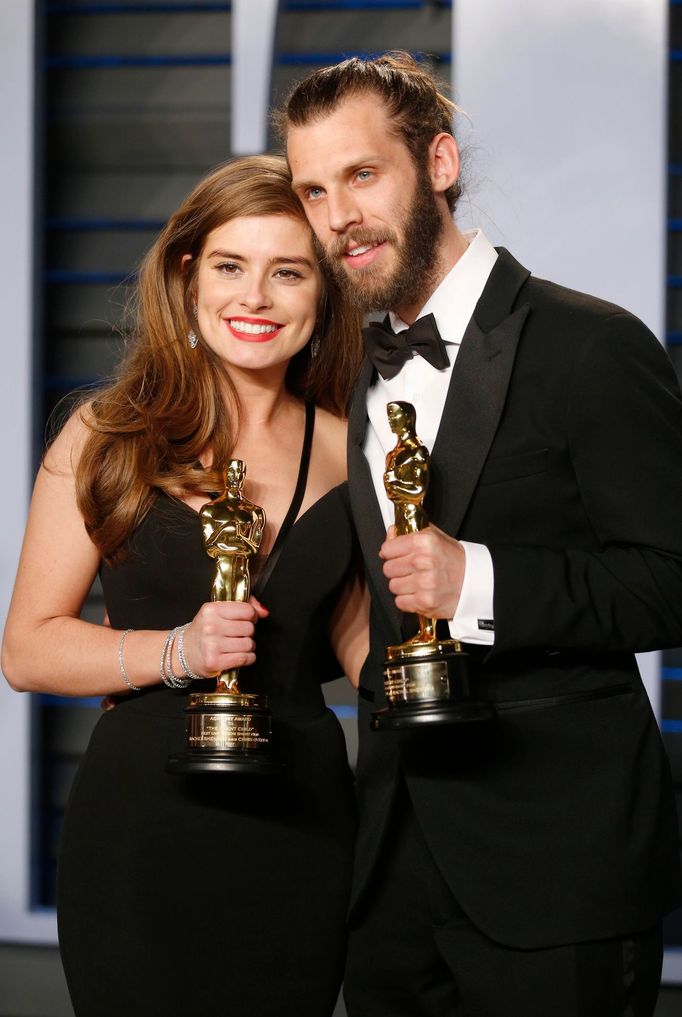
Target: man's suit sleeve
x=624, y=431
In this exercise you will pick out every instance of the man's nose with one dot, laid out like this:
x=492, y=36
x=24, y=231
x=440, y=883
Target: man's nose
x=343, y=211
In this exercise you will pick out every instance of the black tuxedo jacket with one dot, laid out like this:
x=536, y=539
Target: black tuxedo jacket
x=560, y=448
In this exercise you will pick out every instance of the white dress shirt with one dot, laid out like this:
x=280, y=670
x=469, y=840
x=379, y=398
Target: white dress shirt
x=452, y=304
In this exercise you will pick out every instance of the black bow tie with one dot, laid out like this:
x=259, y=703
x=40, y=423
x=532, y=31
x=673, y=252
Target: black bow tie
x=388, y=351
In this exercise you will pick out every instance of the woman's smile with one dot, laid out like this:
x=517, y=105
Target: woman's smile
x=253, y=330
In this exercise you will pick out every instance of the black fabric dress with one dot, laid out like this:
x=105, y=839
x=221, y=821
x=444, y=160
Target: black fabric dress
x=216, y=894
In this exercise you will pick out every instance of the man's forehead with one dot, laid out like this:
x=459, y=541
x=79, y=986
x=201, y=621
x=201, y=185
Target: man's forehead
x=348, y=137
x=353, y=112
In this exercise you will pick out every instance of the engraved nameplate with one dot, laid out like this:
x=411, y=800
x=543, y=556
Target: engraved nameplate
x=227, y=731
x=413, y=682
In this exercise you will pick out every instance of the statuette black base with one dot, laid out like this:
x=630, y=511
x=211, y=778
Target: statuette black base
x=428, y=683
x=409, y=715
x=227, y=732
x=223, y=762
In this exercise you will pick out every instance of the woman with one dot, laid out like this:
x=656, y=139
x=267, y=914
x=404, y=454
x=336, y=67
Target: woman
x=222, y=894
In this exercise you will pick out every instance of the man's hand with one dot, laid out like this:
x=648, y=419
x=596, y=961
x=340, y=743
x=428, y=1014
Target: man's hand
x=425, y=571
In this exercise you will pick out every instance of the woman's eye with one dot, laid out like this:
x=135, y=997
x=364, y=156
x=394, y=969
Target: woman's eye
x=288, y=273
x=228, y=267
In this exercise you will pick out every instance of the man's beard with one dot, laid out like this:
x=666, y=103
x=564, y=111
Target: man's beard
x=414, y=276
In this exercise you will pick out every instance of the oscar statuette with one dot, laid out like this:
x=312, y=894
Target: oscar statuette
x=229, y=730
x=426, y=679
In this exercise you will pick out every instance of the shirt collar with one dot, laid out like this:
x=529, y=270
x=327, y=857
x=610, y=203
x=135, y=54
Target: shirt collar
x=453, y=302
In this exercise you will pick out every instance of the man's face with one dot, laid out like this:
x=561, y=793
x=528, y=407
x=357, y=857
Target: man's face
x=373, y=211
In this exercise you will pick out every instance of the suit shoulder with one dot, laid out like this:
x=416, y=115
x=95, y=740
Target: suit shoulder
x=574, y=329
x=562, y=300
x=575, y=317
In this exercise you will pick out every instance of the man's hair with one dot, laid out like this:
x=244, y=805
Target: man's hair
x=416, y=108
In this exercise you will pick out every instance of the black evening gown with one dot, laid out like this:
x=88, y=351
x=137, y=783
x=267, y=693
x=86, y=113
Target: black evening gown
x=215, y=894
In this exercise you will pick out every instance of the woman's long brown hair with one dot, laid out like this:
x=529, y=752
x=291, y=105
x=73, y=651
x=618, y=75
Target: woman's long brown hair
x=167, y=404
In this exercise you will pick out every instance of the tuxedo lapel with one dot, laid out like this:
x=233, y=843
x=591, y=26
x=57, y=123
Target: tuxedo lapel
x=367, y=516
x=477, y=394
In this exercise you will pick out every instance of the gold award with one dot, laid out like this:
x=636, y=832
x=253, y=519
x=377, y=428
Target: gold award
x=426, y=679
x=229, y=730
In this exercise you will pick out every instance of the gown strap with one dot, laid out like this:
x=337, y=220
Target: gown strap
x=292, y=514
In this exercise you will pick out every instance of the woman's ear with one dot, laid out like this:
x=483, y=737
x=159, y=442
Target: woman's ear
x=190, y=293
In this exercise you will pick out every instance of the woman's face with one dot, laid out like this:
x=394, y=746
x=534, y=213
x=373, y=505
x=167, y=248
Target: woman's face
x=258, y=289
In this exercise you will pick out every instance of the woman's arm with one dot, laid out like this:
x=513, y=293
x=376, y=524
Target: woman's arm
x=47, y=648
x=349, y=628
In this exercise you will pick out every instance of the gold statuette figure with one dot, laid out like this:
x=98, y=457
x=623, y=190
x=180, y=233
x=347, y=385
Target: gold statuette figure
x=426, y=679
x=229, y=730
x=232, y=528
x=406, y=481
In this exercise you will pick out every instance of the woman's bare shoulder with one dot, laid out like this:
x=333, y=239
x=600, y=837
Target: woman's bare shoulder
x=329, y=447
x=64, y=452
x=331, y=427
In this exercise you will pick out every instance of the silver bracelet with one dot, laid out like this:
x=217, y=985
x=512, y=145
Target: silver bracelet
x=121, y=662
x=183, y=659
x=166, y=663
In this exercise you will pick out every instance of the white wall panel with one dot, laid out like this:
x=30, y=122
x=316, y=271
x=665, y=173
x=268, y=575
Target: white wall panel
x=17, y=921
x=253, y=35
x=568, y=161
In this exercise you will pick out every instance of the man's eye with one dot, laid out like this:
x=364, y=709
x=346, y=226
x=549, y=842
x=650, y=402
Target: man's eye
x=364, y=174
x=313, y=193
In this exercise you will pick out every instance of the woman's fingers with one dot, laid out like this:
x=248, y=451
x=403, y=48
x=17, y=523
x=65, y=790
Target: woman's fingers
x=221, y=656
x=221, y=636
x=229, y=610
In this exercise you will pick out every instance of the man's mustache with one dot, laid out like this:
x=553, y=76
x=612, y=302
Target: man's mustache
x=359, y=236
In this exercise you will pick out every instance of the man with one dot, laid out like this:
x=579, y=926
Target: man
x=519, y=867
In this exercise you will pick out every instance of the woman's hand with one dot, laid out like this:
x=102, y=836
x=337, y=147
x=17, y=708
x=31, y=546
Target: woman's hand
x=221, y=636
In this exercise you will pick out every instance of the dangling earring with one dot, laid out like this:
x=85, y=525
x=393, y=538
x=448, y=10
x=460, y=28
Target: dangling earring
x=191, y=335
x=314, y=346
